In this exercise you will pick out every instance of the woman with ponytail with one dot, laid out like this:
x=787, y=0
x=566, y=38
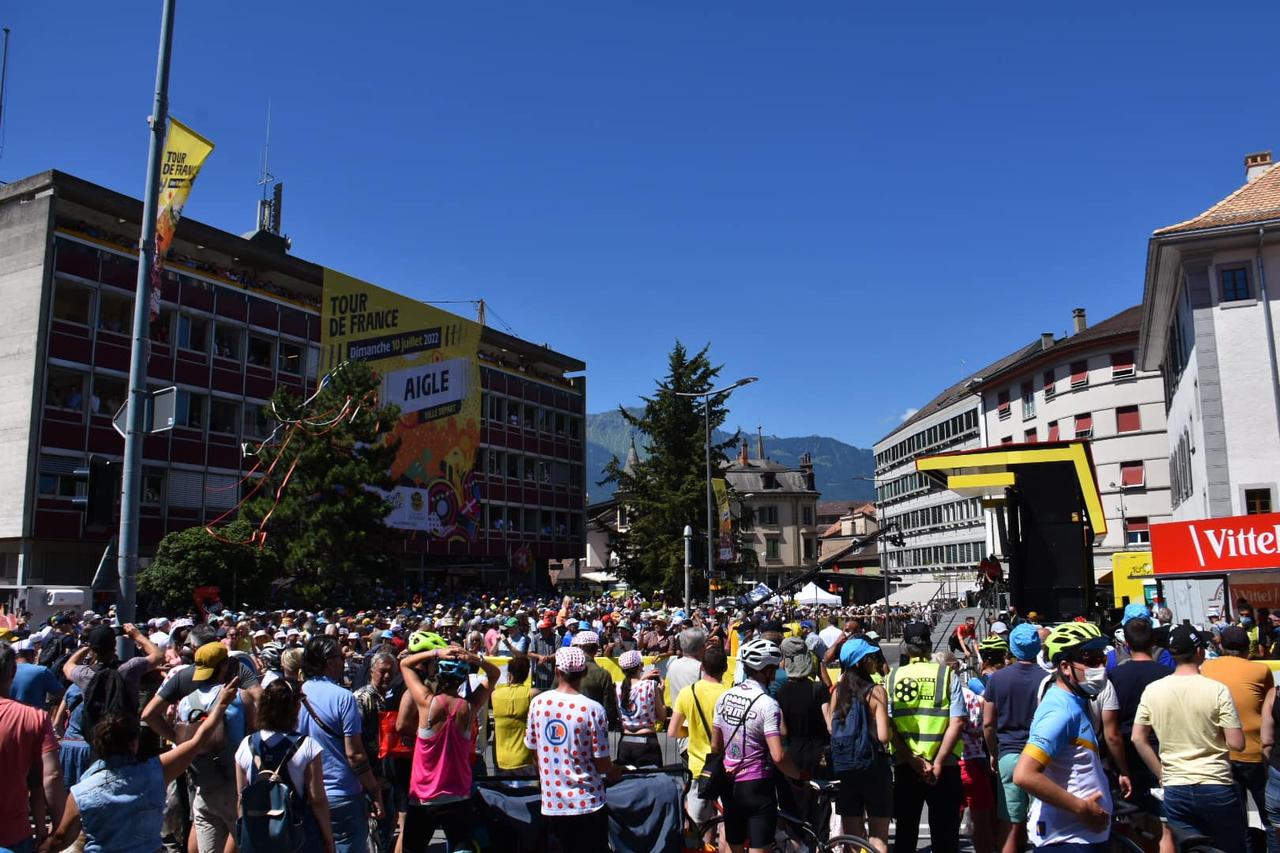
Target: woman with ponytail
x=858, y=719
x=642, y=711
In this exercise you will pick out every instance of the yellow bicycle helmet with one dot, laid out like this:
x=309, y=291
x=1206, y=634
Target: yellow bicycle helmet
x=993, y=643
x=1072, y=637
x=421, y=641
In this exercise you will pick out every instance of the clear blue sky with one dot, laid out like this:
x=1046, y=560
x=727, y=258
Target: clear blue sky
x=853, y=201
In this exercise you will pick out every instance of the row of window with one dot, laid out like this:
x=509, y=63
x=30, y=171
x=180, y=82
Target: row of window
x=531, y=469
x=1128, y=419
x=508, y=518
x=773, y=548
x=956, y=428
x=517, y=413
x=901, y=487
x=766, y=515
x=1122, y=367
x=1178, y=346
x=1181, y=479
x=955, y=554
x=954, y=512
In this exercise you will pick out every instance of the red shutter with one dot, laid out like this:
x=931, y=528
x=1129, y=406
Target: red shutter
x=1050, y=383
x=1053, y=431
x=1079, y=373
x=1084, y=426
x=1132, y=475
x=1002, y=404
x=1121, y=364
x=1128, y=419
x=1008, y=439
x=1029, y=437
x=1137, y=524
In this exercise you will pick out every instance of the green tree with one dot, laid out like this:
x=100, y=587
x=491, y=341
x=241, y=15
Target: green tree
x=316, y=505
x=667, y=488
x=191, y=558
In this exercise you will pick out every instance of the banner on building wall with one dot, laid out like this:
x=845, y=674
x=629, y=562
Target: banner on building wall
x=728, y=553
x=184, y=153
x=1233, y=543
x=427, y=359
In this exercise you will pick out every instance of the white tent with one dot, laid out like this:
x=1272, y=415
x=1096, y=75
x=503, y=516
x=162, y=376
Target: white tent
x=812, y=595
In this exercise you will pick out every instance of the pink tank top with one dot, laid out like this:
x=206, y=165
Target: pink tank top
x=442, y=762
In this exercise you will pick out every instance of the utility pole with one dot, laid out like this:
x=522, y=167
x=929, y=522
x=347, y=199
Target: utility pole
x=688, y=564
x=135, y=418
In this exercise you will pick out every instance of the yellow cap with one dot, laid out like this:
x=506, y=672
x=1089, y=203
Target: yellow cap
x=208, y=658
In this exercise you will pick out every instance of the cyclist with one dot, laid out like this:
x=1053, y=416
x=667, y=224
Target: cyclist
x=1060, y=767
x=748, y=729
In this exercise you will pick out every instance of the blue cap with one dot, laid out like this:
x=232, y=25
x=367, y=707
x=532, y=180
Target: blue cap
x=584, y=625
x=976, y=685
x=807, y=623
x=387, y=635
x=855, y=650
x=1134, y=610
x=1024, y=641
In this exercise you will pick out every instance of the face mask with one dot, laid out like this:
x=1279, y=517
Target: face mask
x=1095, y=679
x=1246, y=620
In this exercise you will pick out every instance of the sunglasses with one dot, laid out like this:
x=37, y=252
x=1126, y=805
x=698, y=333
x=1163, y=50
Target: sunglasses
x=1091, y=658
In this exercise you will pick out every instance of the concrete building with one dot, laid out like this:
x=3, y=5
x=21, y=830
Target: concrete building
x=1209, y=324
x=1086, y=385
x=778, y=513
x=239, y=317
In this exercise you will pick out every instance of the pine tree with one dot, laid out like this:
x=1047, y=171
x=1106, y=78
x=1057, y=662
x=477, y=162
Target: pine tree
x=328, y=525
x=667, y=489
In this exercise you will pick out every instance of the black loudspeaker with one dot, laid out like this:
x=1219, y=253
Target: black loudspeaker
x=1051, y=561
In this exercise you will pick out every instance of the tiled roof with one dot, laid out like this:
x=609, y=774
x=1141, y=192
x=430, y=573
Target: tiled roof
x=1256, y=201
x=836, y=508
x=1127, y=322
x=833, y=530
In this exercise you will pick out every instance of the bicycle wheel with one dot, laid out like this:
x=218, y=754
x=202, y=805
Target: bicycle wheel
x=1120, y=844
x=848, y=844
x=795, y=836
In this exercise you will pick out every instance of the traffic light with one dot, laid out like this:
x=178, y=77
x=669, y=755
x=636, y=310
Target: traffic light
x=97, y=500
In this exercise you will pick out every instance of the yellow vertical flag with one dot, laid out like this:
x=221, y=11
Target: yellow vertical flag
x=727, y=548
x=184, y=153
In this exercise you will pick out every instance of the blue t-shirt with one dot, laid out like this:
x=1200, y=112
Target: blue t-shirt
x=337, y=708
x=1063, y=741
x=1015, y=692
x=1162, y=656
x=33, y=683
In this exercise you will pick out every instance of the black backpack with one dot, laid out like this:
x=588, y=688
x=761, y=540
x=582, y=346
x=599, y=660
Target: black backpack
x=107, y=693
x=271, y=809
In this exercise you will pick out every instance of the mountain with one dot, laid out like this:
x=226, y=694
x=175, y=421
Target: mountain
x=835, y=463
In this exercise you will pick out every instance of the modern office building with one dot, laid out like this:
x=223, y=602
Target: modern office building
x=239, y=317
x=1086, y=385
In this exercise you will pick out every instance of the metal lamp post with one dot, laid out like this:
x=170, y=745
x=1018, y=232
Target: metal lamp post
x=707, y=397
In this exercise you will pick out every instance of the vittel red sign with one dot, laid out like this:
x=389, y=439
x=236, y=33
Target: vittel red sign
x=1216, y=544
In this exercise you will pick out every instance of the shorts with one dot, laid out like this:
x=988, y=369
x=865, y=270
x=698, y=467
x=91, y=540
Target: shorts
x=976, y=789
x=700, y=810
x=1014, y=803
x=751, y=813
x=866, y=793
x=578, y=833
x=214, y=815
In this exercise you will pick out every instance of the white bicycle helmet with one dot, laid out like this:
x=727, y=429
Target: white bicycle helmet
x=760, y=653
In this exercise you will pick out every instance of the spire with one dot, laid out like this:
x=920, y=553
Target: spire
x=760, y=442
x=633, y=459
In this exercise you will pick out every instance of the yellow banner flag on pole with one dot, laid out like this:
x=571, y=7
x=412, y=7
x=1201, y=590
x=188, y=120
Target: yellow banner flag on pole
x=184, y=153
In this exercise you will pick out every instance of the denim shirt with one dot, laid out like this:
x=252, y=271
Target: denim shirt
x=121, y=805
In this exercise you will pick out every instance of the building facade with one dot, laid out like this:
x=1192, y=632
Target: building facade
x=1087, y=385
x=777, y=514
x=1209, y=324
x=239, y=317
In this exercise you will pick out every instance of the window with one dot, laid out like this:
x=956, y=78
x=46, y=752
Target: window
x=544, y=420
x=224, y=415
x=1235, y=284
x=1053, y=431
x=1128, y=419
x=260, y=352
x=772, y=548
x=1050, y=384
x=152, y=486
x=559, y=422
x=1029, y=437
x=291, y=359
x=1132, y=475
x=257, y=424
x=1002, y=405
x=71, y=302
x=1008, y=439
x=1079, y=373
x=1121, y=364
x=806, y=515
x=193, y=333
x=767, y=514
x=530, y=469
x=185, y=488
x=109, y=394
x=513, y=466
x=544, y=471
x=1257, y=501
x=160, y=328
x=65, y=390
x=497, y=409
x=227, y=342
x=530, y=418
x=1137, y=531
x=115, y=313
x=1084, y=425
x=190, y=411
x=1028, y=401
x=56, y=479
x=575, y=428
x=808, y=547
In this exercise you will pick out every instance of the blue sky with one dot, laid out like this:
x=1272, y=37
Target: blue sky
x=855, y=202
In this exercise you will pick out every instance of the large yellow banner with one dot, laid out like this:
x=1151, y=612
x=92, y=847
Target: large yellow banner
x=427, y=359
x=184, y=153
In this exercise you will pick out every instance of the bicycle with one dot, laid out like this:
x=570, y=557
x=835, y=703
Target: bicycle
x=794, y=834
x=827, y=789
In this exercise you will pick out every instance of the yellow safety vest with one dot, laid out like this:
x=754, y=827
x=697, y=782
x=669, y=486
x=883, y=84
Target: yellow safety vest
x=920, y=694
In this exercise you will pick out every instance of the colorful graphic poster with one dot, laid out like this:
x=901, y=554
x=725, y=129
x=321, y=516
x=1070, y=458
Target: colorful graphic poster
x=427, y=359
x=184, y=153
x=728, y=553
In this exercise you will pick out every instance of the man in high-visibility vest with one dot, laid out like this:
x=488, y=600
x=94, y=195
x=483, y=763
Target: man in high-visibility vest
x=928, y=715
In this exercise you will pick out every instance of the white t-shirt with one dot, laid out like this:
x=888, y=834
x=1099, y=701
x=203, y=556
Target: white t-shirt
x=307, y=752
x=567, y=732
x=682, y=672
x=829, y=635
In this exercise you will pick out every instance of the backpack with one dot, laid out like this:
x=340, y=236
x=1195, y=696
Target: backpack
x=213, y=766
x=271, y=810
x=853, y=743
x=106, y=693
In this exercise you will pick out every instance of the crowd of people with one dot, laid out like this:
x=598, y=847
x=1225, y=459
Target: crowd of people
x=337, y=731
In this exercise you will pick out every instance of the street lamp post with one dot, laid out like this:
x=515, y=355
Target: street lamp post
x=707, y=397
x=688, y=563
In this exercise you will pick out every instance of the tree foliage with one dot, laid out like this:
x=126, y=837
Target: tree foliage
x=192, y=558
x=668, y=488
x=327, y=526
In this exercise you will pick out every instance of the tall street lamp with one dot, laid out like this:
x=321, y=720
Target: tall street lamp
x=707, y=397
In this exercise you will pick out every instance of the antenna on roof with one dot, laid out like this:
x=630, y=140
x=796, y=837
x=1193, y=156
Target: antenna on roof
x=4, y=73
x=269, y=208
